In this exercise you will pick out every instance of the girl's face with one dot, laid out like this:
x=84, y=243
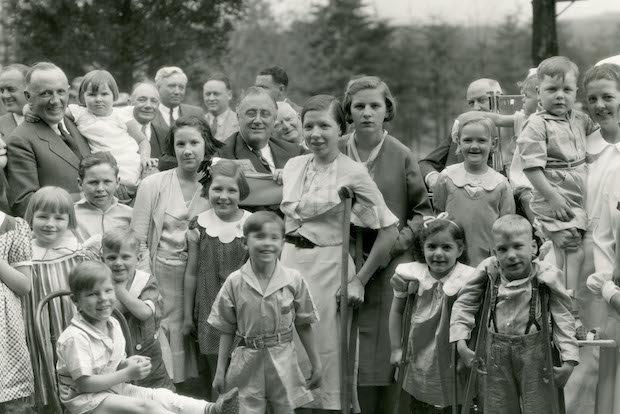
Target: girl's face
x=96, y=304
x=99, y=103
x=475, y=145
x=189, y=148
x=368, y=110
x=604, y=102
x=441, y=252
x=49, y=227
x=321, y=133
x=224, y=197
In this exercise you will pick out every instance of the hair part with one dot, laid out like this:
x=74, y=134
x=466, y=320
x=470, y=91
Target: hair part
x=201, y=125
x=54, y=200
x=231, y=169
x=556, y=66
x=94, y=159
x=118, y=237
x=511, y=224
x=257, y=220
x=423, y=232
x=85, y=275
x=326, y=103
x=369, y=82
x=277, y=73
x=606, y=71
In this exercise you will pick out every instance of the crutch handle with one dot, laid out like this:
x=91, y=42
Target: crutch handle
x=345, y=192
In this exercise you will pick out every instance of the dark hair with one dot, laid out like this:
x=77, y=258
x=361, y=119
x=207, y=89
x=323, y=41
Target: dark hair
x=369, y=82
x=225, y=168
x=277, y=74
x=219, y=76
x=326, y=103
x=23, y=69
x=96, y=79
x=87, y=274
x=53, y=200
x=117, y=237
x=41, y=66
x=556, y=66
x=193, y=121
x=425, y=230
x=256, y=221
x=94, y=159
x=607, y=71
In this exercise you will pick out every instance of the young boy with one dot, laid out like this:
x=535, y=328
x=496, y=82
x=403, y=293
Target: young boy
x=138, y=298
x=262, y=303
x=99, y=209
x=552, y=147
x=93, y=371
x=516, y=381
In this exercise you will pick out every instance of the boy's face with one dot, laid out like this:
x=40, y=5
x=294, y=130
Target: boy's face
x=96, y=304
x=514, y=252
x=558, y=95
x=99, y=185
x=265, y=245
x=121, y=262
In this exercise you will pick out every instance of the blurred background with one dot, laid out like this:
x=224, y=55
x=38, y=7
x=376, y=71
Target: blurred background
x=428, y=51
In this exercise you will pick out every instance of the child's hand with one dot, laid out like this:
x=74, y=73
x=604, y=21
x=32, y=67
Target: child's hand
x=466, y=354
x=188, y=327
x=396, y=356
x=315, y=378
x=561, y=209
x=399, y=284
x=356, y=292
x=148, y=163
x=218, y=383
x=30, y=116
x=277, y=176
x=561, y=374
x=138, y=367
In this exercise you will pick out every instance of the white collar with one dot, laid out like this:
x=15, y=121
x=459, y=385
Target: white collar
x=18, y=118
x=225, y=231
x=56, y=128
x=460, y=177
x=595, y=143
x=419, y=272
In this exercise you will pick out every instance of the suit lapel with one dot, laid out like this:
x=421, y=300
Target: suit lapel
x=243, y=152
x=156, y=144
x=280, y=156
x=56, y=144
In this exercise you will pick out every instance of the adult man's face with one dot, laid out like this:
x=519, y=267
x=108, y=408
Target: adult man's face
x=145, y=101
x=216, y=96
x=47, y=93
x=12, y=86
x=257, y=116
x=172, y=90
x=275, y=89
x=478, y=95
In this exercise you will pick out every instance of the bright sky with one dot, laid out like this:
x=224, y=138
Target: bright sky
x=459, y=11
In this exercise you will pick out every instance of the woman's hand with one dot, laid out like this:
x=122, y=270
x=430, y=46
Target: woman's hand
x=560, y=208
x=396, y=356
x=218, y=382
x=356, y=292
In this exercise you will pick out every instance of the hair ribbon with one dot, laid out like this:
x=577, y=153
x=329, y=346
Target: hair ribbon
x=427, y=220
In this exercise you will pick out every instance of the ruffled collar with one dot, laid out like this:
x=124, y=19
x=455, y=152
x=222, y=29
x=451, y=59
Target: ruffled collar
x=461, y=178
x=225, y=231
x=419, y=272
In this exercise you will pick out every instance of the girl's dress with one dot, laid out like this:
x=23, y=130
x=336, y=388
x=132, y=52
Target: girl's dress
x=475, y=202
x=429, y=375
x=16, y=379
x=221, y=253
x=109, y=133
x=314, y=211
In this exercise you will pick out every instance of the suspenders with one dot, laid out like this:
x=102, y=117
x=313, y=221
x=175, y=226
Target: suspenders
x=533, y=302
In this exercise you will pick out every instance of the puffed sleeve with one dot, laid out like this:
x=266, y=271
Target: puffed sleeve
x=151, y=297
x=305, y=309
x=74, y=355
x=20, y=251
x=223, y=315
x=369, y=209
x=532, y=143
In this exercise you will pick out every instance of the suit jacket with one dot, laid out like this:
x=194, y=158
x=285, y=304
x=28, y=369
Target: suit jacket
x=441, y=157
x=162, y=127
x=38, y=157
x=158, y=140
x=230, y=125
x=235, y=148
x=7, y=124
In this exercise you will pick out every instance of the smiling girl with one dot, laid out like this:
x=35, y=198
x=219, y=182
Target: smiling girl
x=471, y=192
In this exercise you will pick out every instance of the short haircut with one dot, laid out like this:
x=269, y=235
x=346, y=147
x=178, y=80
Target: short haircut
x=166, y=72
x=219, y=76
x=607, y=71
x=201, y=125
x=489, y=83
x=96, y=79
x=117, y=237
x=18, y=67
x=511, y=224
x=53, y=200
x=256, y=221
x=256, y=91
x=425, y=230
x=228, y=168
x=41, y=66
x=556, y=66
x=326, y=103
x=85, y=275
x=369, y=82
x=140, y=83
x=277, y=74
x=470, y=118
x=94, y=159
x=529, y=83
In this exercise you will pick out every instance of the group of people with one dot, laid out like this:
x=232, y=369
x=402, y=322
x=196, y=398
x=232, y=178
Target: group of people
x=148, y=209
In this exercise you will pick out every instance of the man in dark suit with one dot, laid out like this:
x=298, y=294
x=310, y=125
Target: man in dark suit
x=145, y=101
x=445, y=154
x=275, y=80
x=257, y=113
x=48, y=152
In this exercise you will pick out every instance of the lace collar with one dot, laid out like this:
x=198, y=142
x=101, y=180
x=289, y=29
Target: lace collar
x=223, y=230
x=461, y=178
x=419, y=272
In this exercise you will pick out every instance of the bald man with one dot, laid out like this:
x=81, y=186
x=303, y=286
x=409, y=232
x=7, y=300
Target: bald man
x=445, y=153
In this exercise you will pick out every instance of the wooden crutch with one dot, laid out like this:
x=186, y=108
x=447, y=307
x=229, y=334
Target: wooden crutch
x=455, y=387
x=559, y=406
x=408, y=314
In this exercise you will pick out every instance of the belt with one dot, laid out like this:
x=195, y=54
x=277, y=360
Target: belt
x=266, y=341
x=299, y=241
x=562, y=165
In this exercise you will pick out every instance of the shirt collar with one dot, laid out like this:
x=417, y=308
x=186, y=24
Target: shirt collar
x=84, y=202
x=278, y=280
x=166, y=110
x=79, y=322
x=596, y=143
x=18, y=118
x=55, y=127
x=570, y=116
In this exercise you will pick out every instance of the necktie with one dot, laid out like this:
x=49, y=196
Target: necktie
x=171, y=120
x=262, y=159
x=68, y=139
x=213, y=126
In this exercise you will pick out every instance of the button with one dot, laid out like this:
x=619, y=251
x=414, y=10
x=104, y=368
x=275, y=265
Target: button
x=139, y=347
x=155, y=336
